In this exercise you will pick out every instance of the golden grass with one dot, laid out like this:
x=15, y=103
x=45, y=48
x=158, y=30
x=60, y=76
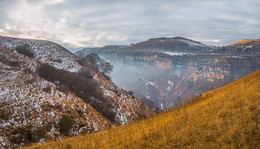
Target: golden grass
x=228, y=117
x=245, y=41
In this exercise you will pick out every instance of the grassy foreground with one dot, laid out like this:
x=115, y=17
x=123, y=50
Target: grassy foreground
x=228, y=117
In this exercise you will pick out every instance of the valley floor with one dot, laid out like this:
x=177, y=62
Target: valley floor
x=228, y=117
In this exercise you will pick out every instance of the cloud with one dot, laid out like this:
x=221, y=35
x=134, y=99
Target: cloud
x=97, y=23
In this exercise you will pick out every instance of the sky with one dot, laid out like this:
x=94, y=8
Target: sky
x=95, y=23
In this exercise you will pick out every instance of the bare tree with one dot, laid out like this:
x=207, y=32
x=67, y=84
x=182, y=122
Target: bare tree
x=95, y=62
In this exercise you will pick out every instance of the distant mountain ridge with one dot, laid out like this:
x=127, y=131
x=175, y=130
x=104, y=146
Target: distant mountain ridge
x=83, y=52
x=169, y=44
x=174, y=44
x=178, y=38
x=151, y=45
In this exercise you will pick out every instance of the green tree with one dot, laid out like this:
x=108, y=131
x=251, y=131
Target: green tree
x=66, y=124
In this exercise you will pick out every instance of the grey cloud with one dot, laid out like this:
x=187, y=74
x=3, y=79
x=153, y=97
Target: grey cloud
x=6, y=5
x=100, y=22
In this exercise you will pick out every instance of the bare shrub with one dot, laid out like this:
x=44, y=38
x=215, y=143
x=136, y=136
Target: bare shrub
x=82, y=86
x=47, y=89
x=25, y=50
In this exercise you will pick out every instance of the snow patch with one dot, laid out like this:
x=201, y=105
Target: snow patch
x=170, y=83
x=150, y=83
x=175, y=53
x=191, y=43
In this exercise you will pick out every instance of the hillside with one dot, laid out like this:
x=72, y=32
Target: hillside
x=169, y=44
x=245, y=47
x=227, y=117
x=120, y=107
x=31, y=105
x=245, y=42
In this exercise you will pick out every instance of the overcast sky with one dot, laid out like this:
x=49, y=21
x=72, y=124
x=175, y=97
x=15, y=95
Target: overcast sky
x=89, y=23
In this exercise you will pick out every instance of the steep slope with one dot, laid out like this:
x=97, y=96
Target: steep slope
x=58, y=57
x=30, y=107
x=29, y=103
x=126, y=107
x=227, y=117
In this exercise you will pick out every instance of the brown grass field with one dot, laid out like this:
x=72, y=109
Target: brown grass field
x=228, y=117
x=245, y=41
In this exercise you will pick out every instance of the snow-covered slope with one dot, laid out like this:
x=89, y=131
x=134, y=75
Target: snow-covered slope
x=120, y=106
x=46, y=52
x=30, y=103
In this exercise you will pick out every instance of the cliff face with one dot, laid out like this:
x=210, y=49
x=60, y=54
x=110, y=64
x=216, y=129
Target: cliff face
x=32, y=107
x=166, y=78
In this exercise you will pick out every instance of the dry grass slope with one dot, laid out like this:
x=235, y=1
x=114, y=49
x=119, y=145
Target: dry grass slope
x=245, y=41
x=228, y=117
